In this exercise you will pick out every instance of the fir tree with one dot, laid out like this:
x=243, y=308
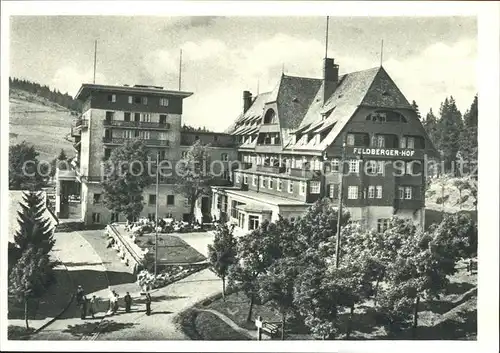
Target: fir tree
x=415, y=107
x=450, y=126
x=468, y=140
x=34, y=231
x=430, y=126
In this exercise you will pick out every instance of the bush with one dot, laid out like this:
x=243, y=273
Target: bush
x=18, y=332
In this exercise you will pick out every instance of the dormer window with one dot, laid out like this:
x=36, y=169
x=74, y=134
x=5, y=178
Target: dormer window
x=270, y=117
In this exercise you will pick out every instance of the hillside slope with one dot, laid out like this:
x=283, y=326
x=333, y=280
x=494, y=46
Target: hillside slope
x=40, y=122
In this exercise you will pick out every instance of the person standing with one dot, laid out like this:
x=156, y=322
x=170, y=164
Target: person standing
x=128, y=302
x=115, y=303
x=148, y=304
x=92, y=306
x=83, y=308
x=79, y=295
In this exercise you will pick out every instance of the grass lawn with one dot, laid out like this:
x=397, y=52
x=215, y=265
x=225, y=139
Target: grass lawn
x=199, y=325
x=453, y=316
x=171, y=249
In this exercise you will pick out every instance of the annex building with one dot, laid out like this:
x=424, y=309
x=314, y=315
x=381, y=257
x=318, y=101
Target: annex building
x=294, y=142
x=111, y=115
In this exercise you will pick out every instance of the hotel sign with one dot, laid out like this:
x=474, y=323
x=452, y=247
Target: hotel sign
x=383, y=152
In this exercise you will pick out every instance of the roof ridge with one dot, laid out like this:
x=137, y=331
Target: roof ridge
x=303, y=77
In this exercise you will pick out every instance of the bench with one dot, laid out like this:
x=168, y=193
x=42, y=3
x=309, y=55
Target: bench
x=270, y=329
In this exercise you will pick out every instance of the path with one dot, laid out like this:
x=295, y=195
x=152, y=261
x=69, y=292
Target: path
x=167, y=303
x=85, y=268
x=250, y=334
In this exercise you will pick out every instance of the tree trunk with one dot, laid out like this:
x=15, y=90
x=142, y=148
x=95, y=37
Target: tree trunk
x=415, y=317
x=349, y=324
x=26, y=313
x=283, y=326
x=252, y=300
x=191, y=210
x=224, y=288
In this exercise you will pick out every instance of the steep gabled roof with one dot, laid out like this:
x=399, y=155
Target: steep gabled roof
x=255, y=110
x=339, y=108
x=295, y=95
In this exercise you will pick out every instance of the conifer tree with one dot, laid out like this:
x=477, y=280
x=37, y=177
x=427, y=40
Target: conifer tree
x=415, y=107
x=34, y=231
x=468, y=140
x=450, y=126
x=430, y=125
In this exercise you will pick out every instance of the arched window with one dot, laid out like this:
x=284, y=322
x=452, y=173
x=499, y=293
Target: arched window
x=386, y=116
x=270, y=117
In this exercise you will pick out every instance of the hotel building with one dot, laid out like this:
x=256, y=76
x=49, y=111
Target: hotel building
x=294, y=141
x=112, y=115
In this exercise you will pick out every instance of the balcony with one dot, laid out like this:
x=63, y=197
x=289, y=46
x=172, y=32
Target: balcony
x=304, y=173
x=147, y=142
x=408, y=204
x=137, y=124
x=76, y=131
x=82, y=123
x=270, y=169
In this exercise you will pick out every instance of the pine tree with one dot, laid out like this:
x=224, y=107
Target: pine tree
x=430, y=125
x=415, y=107
x=468, y=140
x=34, y=231
x=450, y=126
x=24, y=172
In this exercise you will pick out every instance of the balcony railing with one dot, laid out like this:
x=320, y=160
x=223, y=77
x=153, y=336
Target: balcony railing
x=76, y=131
x=270, y=169
x=137, y=124
x=409, y=204
x=81, y=123
x=148, y=142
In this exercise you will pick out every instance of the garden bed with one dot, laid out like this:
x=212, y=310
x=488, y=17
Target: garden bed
x=201, y=325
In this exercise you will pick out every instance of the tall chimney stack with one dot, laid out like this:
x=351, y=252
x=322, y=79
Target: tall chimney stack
x=330, y=78
x=247, y=101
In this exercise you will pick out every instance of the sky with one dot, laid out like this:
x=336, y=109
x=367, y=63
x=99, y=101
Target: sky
x=429, y=58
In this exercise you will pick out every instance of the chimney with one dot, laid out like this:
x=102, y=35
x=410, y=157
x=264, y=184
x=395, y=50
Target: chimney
x=330, y=78
x=247, y=101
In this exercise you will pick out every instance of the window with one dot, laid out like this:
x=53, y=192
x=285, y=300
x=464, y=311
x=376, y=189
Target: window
x=164, y=102
x=184, y=154
x=144, y=100
x=335, y=165
x=382, y=225
x=409, y=168
x=130, y=99
x=137, y=100
x=410, y=142
x=152, y=199
x=145, y=135
x=186, y=202
x=279, y=184
x=371, y=167
x=170, y=199
x=253, y=222
x=350, y=140
x=114, y=217
x=146, y=117
x=254, y=180
x=137, y=117
x=302, y=188
x=112, y=98
x=401, y=192
x=334, y=191
x=224, y=157
x=354, y=166
x=263, y=182
x=107, y=153
x=110, y=116
x=290, y=186
x=163, y=119
x=314, y=187
x=352, y=192
x=270, y=183
x=379, y=191
x=126, y=116
x=408, y=192
x=96, y=218
x=381, y=167
x=245, y=179
x=237, y=178
x=381, y=141
x=371, y=192
x=97, y=198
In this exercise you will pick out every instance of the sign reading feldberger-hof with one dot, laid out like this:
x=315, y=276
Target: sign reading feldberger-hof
x=386, y=152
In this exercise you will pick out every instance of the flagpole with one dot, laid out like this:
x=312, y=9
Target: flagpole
x=156, y=212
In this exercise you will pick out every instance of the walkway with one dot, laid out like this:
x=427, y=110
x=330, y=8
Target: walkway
x=86, y=269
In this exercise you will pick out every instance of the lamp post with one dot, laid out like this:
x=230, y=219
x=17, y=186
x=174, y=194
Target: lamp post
x=339, y=215
x=156, y=211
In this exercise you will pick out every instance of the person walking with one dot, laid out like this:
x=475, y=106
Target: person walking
x=83, y=308
x=92, y=306
x=128, y=302
x=148, y=304
x=115, y=304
